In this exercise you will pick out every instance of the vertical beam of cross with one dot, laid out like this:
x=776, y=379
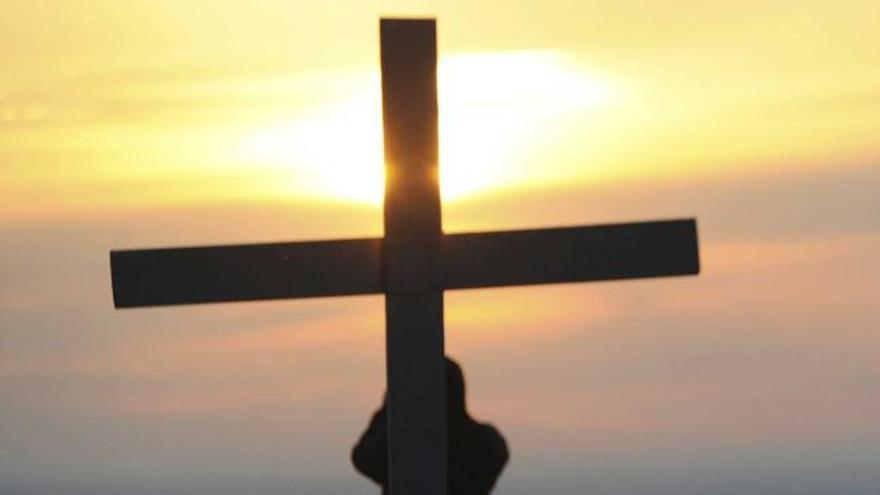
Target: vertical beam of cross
x=411, y=260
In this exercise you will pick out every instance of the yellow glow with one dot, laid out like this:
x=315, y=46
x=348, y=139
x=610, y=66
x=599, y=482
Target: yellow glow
x=496, y=108
x=334, y=150
x=493, y=108
x=163, y=115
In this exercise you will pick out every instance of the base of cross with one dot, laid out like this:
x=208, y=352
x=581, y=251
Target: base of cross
x=476, y=452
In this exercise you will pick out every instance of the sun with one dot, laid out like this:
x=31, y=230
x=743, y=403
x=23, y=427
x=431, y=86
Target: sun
x=494, y=109
x=332, y=152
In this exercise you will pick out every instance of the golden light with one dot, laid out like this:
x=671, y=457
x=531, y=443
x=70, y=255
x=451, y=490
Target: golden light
x=332, y=151
x=495, y=109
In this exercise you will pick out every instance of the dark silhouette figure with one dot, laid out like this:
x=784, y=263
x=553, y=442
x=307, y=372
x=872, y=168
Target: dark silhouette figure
x=476, y=451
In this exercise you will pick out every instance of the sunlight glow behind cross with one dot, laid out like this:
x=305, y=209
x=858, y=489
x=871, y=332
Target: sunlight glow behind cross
x=495, y=108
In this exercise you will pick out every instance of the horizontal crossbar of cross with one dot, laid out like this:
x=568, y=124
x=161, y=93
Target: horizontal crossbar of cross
x=155, y=277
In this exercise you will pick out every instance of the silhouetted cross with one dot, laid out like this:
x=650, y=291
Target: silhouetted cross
x=412, y=265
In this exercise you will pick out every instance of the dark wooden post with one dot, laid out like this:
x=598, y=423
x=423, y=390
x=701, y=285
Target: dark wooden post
x=411, y=260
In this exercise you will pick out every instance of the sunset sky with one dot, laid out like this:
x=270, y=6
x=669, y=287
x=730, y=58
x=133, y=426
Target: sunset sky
x=147, y=123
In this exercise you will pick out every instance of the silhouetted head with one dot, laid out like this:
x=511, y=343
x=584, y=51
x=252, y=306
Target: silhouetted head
x=476, y=451
x=456, y=409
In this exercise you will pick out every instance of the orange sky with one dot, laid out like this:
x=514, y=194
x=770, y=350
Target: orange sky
x=134, y=124
x=131, y=103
